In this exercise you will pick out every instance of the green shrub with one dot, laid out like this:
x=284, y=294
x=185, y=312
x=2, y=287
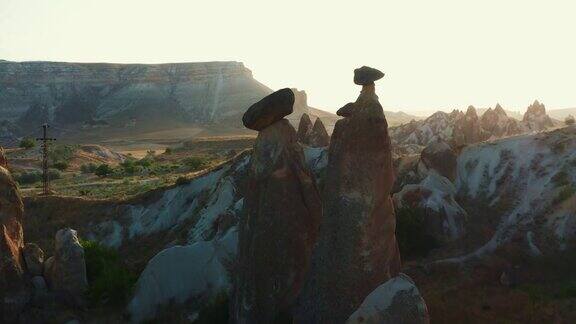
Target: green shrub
x=28, y=177
x=565, y=193
x=88, y=168
x=27, y=143
x=216, y=311
x=411, y=233
x=196, y=163
x=60, y=165
x=109, y=282
x=182, y=180
x=103, y=170
x=63, y=153
x=54, y=174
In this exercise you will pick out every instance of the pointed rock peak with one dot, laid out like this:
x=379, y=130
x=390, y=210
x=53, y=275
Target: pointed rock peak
x=367, y=75
x=499, y=109
x=304, y=128
x=305, y=119
x=318, y=136
x=269, y=110
x=471, y=111
x=536, y=108
x=347, y=110
x=319, y=125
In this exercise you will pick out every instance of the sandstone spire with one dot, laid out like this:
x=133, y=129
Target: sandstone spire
x=278, y=230
x=357, y=249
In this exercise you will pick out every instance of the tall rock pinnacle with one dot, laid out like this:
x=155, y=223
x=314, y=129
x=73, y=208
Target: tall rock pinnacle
x=282, y=210
x=357, y=249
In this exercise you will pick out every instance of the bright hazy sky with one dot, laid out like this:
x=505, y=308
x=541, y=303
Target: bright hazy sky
x=436, y=54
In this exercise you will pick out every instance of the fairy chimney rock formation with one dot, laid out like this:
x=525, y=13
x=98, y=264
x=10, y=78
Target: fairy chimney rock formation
x=536, y=117
x=282, y=211
x=357, y=249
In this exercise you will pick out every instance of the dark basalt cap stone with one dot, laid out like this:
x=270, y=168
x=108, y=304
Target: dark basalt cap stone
x=269, y=110
x=367, y=75
x=346, y=111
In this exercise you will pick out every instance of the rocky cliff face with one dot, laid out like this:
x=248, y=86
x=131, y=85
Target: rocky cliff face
x=13, y=289
x=75, y=93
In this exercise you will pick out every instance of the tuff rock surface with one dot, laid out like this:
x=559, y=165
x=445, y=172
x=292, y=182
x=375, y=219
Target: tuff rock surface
x=304, y=128
x=440, y=157
x=66, y=271
x=282, y=211
x=357, y=248
x=13, y=287
x=397, y=301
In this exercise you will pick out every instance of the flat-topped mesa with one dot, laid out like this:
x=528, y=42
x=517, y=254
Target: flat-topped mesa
x=357, y=249
x=269, y=110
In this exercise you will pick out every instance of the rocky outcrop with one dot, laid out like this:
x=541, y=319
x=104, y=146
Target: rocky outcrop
x=34, y=257
x=3, y=160
x=319, y=136
x=282, y=211
x=304, y=128
x=65, y=272
x=313, y=136
x=496, y=123
x=357, y=248
x=440, y=157
x=536, y=118
x=467, y=129
x=269, y=110
x=396, y=301
x=434, y=196
x=13, y=290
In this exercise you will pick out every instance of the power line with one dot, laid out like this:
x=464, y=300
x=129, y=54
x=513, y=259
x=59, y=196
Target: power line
x=45, y=140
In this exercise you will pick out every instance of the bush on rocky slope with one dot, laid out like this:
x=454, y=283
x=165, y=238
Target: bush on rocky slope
x=109, y=281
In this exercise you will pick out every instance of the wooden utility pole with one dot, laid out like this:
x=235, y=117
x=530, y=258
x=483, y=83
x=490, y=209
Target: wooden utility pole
x=45, y=140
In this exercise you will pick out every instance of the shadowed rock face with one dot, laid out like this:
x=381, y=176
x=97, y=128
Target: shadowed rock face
x=318, y=136
x=439, y=156
x=357, y=249
x=304, y=128
x=269, y=110
x=12, y=266
x=346, y=110
x=66, y=270
x=278, y=230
